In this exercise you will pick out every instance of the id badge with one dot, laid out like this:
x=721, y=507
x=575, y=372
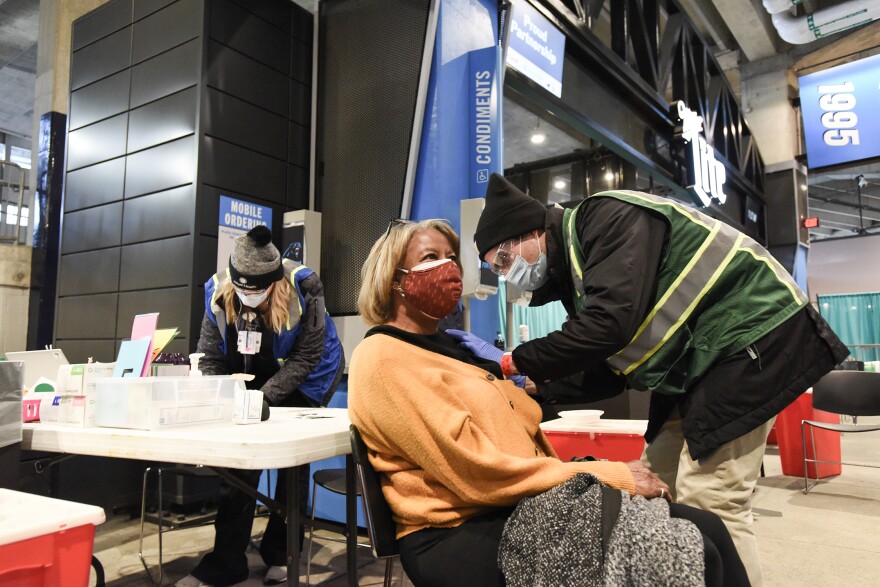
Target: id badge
x=249, y=342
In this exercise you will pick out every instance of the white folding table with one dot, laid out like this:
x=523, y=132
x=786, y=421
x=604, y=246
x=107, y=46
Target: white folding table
x=289, y=438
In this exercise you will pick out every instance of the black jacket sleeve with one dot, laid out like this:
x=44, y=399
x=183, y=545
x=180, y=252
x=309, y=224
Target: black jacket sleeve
x=214, y=361
x=306, y=351
x=623, y=246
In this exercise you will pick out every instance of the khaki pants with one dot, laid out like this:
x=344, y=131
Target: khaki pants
x=721, y=483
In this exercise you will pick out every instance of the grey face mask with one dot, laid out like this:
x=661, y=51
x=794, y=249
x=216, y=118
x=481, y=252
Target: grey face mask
x=528, y=276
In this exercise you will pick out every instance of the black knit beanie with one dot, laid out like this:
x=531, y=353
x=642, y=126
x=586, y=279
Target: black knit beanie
x=509, y=213
x=255, y=262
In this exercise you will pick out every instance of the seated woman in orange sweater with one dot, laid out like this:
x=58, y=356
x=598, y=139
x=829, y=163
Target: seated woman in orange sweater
x=458, y=445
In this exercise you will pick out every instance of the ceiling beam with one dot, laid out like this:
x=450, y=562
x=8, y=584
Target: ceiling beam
x=751, y=27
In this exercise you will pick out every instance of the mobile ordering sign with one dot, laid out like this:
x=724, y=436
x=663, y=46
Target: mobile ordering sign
x=841, y=113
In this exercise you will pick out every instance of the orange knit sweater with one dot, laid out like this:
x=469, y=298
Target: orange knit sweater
x=451, y=440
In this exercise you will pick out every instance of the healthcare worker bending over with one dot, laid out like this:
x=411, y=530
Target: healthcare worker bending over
x=679, y=304
x=266, y=317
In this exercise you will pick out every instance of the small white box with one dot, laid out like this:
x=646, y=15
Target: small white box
x=150, y=403
x=78, y=378
x=65, y=409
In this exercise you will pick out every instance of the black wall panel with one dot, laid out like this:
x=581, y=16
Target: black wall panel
x=297, y=187
x=100, y=59
x=300, y=103
x=156, y=264
x=234, y=121
x=97, y=142
x=160, y=168
x=90, y=272
x=299, y=138
x=301, y=62
x=277, y=13
x=94, y=315
x=206, y=264
x=165, y=74
x=208, y=205
x=107, y=19
x=172, y=304
x=94, y=185
x=144, y=7
x=229, y=166
x=99, y=100
x=166, y=28
x=173, y=104
x=164, y=120
x=79, y=351
x=160, y=215
x=247, y=33
x=245, y=78
x=92, y=228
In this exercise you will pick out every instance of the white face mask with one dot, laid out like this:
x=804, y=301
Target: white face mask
x=528, y=276
x=252, y=300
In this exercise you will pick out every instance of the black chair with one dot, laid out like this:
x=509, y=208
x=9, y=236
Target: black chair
x=331, y=480
x=177, y=471
x=380, y=524
x=851, y=393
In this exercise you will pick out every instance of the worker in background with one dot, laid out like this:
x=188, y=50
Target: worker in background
x=672, y=302
x=265, y=317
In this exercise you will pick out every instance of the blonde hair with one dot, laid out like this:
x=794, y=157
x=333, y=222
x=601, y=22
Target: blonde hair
x=279, y=302
x=379, y=271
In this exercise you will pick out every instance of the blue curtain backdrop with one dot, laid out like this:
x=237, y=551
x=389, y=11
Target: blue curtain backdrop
x=541, y=320
x=855, y=319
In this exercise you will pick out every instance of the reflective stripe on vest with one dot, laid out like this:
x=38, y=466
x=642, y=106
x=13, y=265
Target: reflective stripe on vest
x=675, y=305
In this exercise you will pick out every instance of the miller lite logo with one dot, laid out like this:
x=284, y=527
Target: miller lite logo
x=706, y=175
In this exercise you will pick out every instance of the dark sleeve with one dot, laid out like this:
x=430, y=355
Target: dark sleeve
x=213, y=363
x=623, y=246
x=306, y=351
x=585, y=386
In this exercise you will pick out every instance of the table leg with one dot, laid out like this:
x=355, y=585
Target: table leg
x=293, y=523
x=351, y=521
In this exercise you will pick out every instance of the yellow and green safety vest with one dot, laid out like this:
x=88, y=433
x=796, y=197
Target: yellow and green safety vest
x=718, y=291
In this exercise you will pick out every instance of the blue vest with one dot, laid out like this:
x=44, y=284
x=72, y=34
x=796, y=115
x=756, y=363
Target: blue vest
x=320, y=381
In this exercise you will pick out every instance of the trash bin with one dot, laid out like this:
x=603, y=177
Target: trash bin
x=791, y=448
x=11, y=375
x=615, y=440
x=45, y=541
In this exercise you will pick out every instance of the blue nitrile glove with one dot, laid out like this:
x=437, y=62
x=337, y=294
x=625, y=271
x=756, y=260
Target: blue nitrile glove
x=484, y=350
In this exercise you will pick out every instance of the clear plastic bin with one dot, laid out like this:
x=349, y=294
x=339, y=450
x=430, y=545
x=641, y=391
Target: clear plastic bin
x=45, y=541
x=150, y=403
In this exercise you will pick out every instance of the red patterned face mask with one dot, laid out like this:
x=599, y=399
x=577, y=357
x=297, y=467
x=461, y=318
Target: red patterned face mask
x=433, y=288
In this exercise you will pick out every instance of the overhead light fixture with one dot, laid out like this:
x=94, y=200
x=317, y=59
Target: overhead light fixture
x=538, y=136
x=609, y=176
x=559, y=184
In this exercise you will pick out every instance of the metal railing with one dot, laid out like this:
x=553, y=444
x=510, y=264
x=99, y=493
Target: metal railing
x=10, y=231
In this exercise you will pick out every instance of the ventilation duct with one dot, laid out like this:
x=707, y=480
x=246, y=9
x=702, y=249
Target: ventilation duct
x=822, y=23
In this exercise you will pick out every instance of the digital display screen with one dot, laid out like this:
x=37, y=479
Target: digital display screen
x=840, y=111
x=536, y=48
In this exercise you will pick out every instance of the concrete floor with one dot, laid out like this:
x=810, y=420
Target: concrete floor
x=829, y=537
